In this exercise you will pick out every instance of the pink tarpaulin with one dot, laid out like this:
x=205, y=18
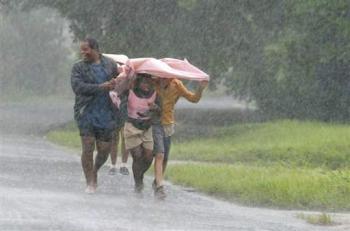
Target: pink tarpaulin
x=164, y=68
x=121, y=59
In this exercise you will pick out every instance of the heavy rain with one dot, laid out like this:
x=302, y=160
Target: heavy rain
x=258, y=117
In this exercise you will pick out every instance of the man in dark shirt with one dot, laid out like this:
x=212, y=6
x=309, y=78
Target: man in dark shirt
x=91, y=80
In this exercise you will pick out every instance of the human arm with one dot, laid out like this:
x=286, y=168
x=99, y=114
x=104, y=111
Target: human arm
x=82, y=87
x=156, y=106
x=124, y=80
x=190, y=96
x=155, y=110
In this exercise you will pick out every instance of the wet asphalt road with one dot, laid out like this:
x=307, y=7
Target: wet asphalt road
x=42, y=188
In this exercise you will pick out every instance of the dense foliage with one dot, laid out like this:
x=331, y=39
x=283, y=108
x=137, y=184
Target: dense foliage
x=289, y=56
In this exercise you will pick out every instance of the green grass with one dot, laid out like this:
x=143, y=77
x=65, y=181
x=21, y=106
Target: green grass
x=290, y=142
x=67, y=135
x=285, y=164
x=273, y=186
x=317, y=219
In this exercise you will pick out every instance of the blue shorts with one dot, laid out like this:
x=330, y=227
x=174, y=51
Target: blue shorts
x=161, y=142
x=158, y=138
x=100, y=134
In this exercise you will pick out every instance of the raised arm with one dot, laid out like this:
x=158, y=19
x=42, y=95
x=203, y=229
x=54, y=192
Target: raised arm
x=190, y=96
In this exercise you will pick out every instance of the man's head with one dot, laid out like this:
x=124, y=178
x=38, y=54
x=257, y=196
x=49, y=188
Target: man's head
x=89, y=50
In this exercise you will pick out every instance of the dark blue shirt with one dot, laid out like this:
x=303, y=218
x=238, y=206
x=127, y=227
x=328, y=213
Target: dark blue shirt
x=99, y=113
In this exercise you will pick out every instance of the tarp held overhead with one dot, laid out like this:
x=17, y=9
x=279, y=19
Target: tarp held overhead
x=164, y=68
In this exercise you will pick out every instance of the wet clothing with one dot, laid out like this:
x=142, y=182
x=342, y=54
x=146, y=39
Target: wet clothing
x=144, y=118
x=84, y=83
x=161, y=141
x=100, y=134
x=170, y=95
x=138, y=107
x=137, y=129
x=93, y=109
x=98, y=113
x=135, y=137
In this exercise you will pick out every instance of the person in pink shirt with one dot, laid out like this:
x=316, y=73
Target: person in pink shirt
x=143, y=107
x=169, y=73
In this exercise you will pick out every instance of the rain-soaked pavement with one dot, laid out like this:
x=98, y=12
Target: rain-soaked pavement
x=42, y=188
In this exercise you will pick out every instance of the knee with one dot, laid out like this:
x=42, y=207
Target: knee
x=166, y=157
x=159, y=157
x=88, y=148
x=148, y=155
x=136, y=153
x=149, y=159
x=104, y=147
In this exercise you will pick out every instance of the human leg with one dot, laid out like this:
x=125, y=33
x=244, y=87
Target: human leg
x=140, y=144
x=147, y=150
x=103, y=149
x=136, y=154
x=125, y=154
x=87, y=161
x=158, y=169
x=157, y=185
x=158, y=150
x=147, y=159
x=103, y=145
x=114, y=152
x=142, y=160
x=167, y=144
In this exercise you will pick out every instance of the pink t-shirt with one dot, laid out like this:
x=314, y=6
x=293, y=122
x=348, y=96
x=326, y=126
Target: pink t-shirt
x=137, y=105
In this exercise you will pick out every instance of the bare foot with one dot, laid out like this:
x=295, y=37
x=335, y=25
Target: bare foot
x=90, y=189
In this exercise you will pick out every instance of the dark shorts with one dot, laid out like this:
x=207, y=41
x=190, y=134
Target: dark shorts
x=158, y=139
x=162, y=142
x=104, y=135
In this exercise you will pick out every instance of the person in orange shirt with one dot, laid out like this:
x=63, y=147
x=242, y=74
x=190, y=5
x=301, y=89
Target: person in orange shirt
x=169, y=91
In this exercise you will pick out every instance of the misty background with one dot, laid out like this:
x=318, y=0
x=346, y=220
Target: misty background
x=286, y=59
x=290, y=58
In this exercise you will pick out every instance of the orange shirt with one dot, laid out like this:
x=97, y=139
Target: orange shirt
x=169, y=97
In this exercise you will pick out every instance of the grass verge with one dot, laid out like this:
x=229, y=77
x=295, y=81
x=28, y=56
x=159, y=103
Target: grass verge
x=67, y=135
x=285, y=164
x=293, y=143
x=317, y=219
x=273, y=186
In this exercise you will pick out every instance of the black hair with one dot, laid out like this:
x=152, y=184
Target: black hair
x=140, y=93
x=93, y=44
x=141, y=77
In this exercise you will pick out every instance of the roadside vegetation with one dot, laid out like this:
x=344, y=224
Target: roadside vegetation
x=317, y=219
x=67, y=135
x=284, y=164
x=288, y=142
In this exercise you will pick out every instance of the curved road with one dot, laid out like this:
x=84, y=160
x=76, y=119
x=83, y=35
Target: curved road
x=42, y=188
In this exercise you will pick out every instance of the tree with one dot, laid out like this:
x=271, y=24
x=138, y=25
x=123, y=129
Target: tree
x=289, y=56
x=308, y=64
x=35, y=57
